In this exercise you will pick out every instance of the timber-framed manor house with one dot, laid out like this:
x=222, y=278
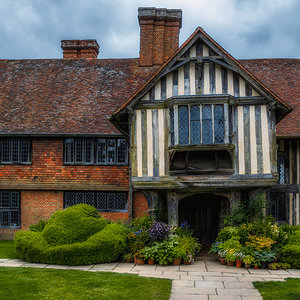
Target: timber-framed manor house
x=187, y=132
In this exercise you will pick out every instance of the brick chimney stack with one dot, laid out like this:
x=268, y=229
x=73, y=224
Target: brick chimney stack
x=88, y=49
x=159, y=34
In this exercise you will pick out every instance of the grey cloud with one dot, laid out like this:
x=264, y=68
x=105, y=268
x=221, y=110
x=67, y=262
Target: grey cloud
x=250, y=28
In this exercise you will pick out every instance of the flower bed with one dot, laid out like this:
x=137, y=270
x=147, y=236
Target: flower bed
x=258, y=244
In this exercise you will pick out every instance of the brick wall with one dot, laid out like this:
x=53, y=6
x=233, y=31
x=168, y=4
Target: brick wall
x=140, y=205
x=47, y=172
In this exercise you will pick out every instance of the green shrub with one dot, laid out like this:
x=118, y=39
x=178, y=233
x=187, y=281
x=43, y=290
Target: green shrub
x=101, y=243
x=143, y=223
x=39, y=227
x=226, y=233
x=73, y=225
x=291, y=254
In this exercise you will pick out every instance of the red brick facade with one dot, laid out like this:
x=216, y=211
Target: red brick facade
x=48, y=172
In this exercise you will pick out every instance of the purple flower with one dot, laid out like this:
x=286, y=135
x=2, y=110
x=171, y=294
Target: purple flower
x=158, y=231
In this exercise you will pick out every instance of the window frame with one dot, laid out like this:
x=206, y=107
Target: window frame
x=95, y=199
x=95, y=152
x=10, y=209
x=175, y=126
x=20, y=149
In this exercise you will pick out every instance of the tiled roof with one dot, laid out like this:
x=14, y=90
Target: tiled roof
x=282, y=76
x=57, y=96
x=76, y=96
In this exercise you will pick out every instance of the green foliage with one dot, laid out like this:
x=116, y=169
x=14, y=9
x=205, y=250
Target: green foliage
x=164, y=251
x=246, y=211
x=143, y=223
x=226, y=233
x=291, y=254
x=278, y=266
x=39, y=227
x=190, y=246
x=89, y=241
x=149, y=252
x=72, y=225
x=264, y=256
x=248, y=259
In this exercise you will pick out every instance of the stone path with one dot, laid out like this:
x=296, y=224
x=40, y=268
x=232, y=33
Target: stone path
x=204, y=279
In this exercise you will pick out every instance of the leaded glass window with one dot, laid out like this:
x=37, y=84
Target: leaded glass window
x=15, y=150
x=219, y=124
x=172, y=138
x=96, y=151
x=198, y=124
x=207, y=124
x=183, y=125
x=281, y=171
x=103, y=201
x=10, y=213
x=195, y=124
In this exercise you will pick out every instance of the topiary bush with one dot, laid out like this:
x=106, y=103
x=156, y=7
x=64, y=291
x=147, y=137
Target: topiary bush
x=77, y=235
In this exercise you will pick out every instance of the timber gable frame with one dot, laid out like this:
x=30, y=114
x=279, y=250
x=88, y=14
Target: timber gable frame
x=146, y=99
x=177, y=60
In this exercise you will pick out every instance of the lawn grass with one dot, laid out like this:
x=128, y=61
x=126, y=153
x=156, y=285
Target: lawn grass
x=29, y=283
x=7, y=249
x=279, y=290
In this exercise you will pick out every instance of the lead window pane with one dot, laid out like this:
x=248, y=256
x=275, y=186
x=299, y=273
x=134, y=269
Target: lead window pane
x=122, y=150
x=183, y=125
x=219, y=124
x=79, y=150
x=89, y=151
x=25, y=151
x=111, y=150
x=195, y=124
x=10, y=214
x=69, y=150
x=5, y=150
x=101, y=150
x=207, y=125
x=14, y=150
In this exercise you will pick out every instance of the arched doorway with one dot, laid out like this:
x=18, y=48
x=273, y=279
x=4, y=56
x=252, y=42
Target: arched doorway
x=203, y=213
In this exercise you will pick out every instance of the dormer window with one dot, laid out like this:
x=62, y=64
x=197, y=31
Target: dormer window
x=196, y=124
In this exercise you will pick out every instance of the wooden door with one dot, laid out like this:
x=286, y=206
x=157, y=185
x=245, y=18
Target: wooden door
x=202, y=213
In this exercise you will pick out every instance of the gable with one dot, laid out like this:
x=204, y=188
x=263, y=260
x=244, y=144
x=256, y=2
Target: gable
x=199, y=71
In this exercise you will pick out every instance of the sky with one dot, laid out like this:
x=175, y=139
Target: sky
x=245, y=28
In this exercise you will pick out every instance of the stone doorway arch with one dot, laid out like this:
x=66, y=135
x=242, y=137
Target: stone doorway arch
x=203, y=213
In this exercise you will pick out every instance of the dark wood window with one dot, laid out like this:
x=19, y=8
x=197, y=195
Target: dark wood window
x=15, y=151
x=199, y=124
x=10, y=213
x=102, y=151
x=103, y=201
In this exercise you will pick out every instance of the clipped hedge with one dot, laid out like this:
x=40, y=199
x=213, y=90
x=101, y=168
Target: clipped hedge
x=77, y=235
x=291, y=254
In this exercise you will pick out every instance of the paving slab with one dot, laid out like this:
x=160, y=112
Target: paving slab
x=221, y=297
x=60, y=267
x=238, y=292
x=188, y=297
x=186, y=283
x=294, y=271
x=279, y=272
x=105, y=266
x=208, y=284
x=11, y=263
x=252, y=298
x=32, y=265
x=251, y=278
x=191, y=277
x=3, y=260
x=239, y=285
x=82, y=268
x=193, y=291
x=220, y=278
x=204, y=273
